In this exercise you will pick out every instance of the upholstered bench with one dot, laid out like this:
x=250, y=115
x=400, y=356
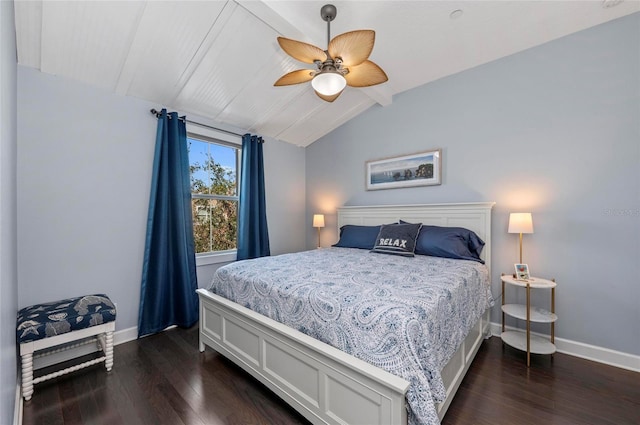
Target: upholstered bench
x=46, y=327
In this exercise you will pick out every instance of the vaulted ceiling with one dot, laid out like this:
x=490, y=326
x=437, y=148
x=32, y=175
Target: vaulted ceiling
x=219, y=59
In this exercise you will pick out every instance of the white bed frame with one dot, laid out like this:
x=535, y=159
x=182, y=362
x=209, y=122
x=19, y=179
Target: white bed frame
x=324, y=384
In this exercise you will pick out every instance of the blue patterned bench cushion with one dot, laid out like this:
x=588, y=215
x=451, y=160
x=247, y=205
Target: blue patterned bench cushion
x=50, y=319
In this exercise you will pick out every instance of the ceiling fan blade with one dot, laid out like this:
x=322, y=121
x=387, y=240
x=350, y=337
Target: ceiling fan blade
x=329, y=98
x=303, y=52
x=295, y=77
x=365, y=75
x=353, y=47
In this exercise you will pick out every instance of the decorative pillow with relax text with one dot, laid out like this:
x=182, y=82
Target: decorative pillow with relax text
x=397, y=239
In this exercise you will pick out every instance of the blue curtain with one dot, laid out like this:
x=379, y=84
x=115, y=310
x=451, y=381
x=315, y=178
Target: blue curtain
x=253, y=236
x=167, y=295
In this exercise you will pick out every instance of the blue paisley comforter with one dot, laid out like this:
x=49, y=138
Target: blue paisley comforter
x=404, y=315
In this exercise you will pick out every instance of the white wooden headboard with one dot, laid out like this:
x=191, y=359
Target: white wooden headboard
x=474, y=216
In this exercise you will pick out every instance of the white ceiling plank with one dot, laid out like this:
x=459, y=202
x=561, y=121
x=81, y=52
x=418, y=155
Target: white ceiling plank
x=169, y=41
x=381, y=94
x=92, y=49
x=418, y=43
x=266, y=13
x=234, y=59
x=332, y=115
x=134, y=55
x=259, y=99
x=302, y=101
x=273, y=119
x=322, y=117
x=215, y=30
x=28, y=17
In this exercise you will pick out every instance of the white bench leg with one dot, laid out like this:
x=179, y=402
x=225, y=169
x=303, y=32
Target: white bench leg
x=27, y=376
x=108, y=352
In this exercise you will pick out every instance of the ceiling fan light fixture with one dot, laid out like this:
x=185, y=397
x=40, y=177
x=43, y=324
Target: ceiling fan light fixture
x=345, y=62
x=328, y=83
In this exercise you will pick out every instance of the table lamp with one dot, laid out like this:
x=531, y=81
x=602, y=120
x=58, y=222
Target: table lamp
x=318, y=222
x=520, y=223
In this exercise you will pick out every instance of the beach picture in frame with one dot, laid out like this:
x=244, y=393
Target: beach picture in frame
x=522, y=272
x=418, y=169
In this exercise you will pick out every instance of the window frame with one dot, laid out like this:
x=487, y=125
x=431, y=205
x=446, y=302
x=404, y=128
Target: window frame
x=210, y=135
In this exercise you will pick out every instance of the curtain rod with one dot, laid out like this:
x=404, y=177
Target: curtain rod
x=157, y=114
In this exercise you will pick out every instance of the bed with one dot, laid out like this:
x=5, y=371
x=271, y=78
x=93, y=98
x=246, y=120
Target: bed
x=323, y=383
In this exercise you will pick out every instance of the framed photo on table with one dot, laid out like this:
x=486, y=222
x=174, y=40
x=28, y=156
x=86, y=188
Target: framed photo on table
x=522, y=272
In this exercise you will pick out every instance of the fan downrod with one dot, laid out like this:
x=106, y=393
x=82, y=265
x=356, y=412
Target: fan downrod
x=328, y=14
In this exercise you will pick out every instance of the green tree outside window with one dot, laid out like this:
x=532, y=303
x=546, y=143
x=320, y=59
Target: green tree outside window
x=214, y=192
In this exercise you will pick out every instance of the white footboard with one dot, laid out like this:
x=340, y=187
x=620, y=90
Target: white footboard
x=324, y=384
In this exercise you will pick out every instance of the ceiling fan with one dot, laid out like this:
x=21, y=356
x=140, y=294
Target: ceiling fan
x=345, y=62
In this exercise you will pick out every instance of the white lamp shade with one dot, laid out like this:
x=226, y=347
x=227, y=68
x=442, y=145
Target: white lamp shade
x=520, y=223
x=328, y=83
x=318, y=220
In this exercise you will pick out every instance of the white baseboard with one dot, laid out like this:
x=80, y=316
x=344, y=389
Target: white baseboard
x=585, y=351
x=125, y=335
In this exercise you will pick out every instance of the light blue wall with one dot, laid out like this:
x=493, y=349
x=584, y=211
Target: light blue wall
x=8, y=217
x=554, y=130
x=84, y=172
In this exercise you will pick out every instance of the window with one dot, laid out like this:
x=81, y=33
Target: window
x=214, y=165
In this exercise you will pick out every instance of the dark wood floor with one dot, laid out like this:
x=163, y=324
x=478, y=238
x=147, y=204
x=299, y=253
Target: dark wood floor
x=163, y=379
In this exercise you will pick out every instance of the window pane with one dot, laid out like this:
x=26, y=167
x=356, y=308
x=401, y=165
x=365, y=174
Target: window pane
x=201, y=225
x=198, y=158
x=213, y=168
x=224, y=223
x=215, y=224
x=221, y=166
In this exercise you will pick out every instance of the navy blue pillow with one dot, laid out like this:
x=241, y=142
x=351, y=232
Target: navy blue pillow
x=397, y=239
x=354, y=236
x=449, y=242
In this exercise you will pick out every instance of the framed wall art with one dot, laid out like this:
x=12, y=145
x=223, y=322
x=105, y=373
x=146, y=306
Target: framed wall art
x=418, y=169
